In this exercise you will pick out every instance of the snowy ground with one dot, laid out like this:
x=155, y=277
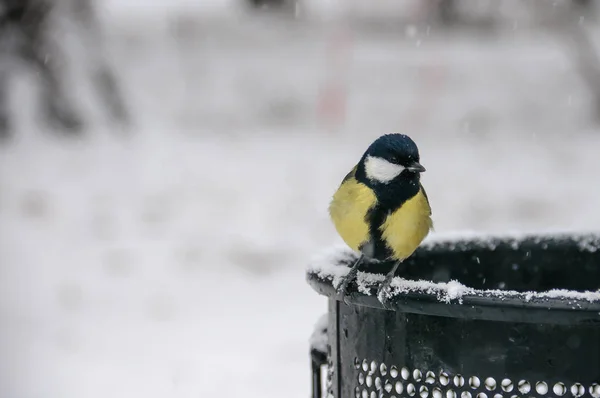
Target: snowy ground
x=169, y=262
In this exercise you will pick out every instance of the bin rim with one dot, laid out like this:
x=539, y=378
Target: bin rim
x=452, y=299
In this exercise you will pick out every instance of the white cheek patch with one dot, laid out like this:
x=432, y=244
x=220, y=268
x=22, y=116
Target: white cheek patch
x=380, y=170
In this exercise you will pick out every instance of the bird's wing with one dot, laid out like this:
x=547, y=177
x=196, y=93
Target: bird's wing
x=350, y=174
x=426, y=198
x=348, y=209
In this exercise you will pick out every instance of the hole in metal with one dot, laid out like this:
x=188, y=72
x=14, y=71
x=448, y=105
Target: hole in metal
x=417, y=375
x=444, y=379
x=424, y=392
x=383, y=369
x=507, y=385
x=399, y=387
x=436, y=393
x=388, y=387
x=524, y=386
x=430, y=377
x=365, y=365
x=559, y=389
x=369, y=381
x=373, y=367
x=490, y=383
x=450, y=394
x=474, y=382
x=577, y=390
x=394, y=372
x=410, y=389
x=541, y=387
x=405, y=373
x=378, y=383
x=459, y=381
x=595, y=390
x=465, y=394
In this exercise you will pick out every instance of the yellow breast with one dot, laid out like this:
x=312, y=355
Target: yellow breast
x=348, y=208
x=404, y=229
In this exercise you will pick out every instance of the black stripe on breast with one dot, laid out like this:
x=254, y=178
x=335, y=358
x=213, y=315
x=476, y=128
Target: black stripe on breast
x=390, y=197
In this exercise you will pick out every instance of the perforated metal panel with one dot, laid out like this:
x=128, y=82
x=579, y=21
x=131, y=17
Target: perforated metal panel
x=381, y=380
x=388, y=354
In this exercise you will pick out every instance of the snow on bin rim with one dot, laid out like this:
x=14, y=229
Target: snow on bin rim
x=586, y=240
x=326, y=269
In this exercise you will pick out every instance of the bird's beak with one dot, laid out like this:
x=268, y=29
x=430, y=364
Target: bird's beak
x=416, y=167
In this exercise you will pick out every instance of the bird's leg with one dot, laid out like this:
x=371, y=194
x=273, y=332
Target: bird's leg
x=350, y=276
x=382, y=291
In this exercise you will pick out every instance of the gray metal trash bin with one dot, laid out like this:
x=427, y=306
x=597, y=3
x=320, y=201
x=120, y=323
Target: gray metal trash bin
x=495, y=317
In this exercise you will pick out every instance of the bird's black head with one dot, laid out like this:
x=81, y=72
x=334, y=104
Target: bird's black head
x=391, y=157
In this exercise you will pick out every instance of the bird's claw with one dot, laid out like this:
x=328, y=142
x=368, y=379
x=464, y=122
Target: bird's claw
x=384, y=295
x=342, y=290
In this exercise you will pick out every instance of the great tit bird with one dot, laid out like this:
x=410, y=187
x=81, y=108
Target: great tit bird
x=381, y=209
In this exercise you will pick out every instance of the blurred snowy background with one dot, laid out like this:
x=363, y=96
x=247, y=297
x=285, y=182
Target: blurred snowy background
x=165, y=258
